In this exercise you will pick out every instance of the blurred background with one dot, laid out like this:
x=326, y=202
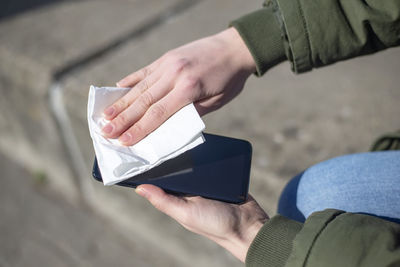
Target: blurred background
x=52, y=212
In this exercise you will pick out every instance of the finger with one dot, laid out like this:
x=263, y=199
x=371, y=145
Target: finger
x=137, y=109
x=209, y=104
x=134, y=78
x=205, y=106
x=137, y=76
x=121, y=104
x=171, y=205
x=202, y=108
x=183, y=94
x=156, y=115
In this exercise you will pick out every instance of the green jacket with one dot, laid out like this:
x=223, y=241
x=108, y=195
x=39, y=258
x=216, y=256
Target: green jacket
x=317, y=33
x=327, y=238
x=310, y=34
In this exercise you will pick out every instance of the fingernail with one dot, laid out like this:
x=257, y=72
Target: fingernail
x=118, y=84
x=108, y=128
x=125, y=138
x=141, y=192
x=109, y=111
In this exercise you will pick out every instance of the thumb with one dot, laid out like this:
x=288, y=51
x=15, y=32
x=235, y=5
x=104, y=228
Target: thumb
x=169, y=204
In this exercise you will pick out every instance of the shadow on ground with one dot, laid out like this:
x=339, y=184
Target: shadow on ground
x=14, y=7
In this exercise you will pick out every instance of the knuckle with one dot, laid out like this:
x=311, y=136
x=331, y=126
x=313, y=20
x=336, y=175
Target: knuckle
x=121, y=120
x=158, y=111
x=179, y=65
x=158, y=205
x=144, y=85
x=190, y=87
x=137, y=129
x=144, y=72
x=191, y=82
x=146, y=99
x=120, y=104
x=161, y=203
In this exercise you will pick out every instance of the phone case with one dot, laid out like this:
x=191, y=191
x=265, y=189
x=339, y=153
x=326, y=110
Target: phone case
x=217, y=169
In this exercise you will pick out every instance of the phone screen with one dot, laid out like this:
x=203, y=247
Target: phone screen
x=217, y=169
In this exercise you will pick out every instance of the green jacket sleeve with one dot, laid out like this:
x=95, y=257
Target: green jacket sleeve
x=318, y=33
x=328, y=238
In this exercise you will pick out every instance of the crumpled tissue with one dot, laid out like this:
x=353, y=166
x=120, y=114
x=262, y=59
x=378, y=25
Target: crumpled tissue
x=181, y=132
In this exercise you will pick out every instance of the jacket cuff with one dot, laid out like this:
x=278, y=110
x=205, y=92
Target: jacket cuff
x=297, y=36
x=273, y=243
x=262, y=34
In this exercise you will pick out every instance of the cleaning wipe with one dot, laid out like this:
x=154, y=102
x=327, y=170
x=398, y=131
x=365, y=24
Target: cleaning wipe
x=181, y=132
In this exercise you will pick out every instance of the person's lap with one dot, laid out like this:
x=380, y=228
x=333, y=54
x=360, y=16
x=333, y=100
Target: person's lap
x=361, y=183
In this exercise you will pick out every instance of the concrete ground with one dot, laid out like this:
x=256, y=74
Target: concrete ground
x=40, y=228
x=51, y=54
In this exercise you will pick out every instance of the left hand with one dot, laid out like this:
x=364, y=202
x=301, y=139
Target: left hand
x=230, y=225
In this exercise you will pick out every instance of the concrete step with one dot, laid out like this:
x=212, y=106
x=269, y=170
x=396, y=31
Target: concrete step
x=39, y=228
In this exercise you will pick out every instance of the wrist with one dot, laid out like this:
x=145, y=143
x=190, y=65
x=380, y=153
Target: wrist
x=238, y=242
x=262, y=33
x=236, y=51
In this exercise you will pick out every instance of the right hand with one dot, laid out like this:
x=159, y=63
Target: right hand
x=232, y=226
x=209, y=72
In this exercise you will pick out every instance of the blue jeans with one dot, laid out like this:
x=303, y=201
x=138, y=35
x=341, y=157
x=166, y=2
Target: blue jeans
x=362, y=183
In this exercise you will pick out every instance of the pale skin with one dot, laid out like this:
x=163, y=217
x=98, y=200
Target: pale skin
x=209, y=73
x=231, y=226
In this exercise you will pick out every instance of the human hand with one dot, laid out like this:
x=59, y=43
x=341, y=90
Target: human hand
x=231, y=226
x=208, y=72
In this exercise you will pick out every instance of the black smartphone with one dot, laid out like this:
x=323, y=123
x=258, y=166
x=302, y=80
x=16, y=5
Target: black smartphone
x=217, y=169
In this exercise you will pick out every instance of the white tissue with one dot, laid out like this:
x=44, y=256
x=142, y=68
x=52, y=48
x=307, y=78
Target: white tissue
x=181, y=132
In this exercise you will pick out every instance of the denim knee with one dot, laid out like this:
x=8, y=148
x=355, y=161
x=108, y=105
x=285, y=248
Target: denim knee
x=365, y=182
